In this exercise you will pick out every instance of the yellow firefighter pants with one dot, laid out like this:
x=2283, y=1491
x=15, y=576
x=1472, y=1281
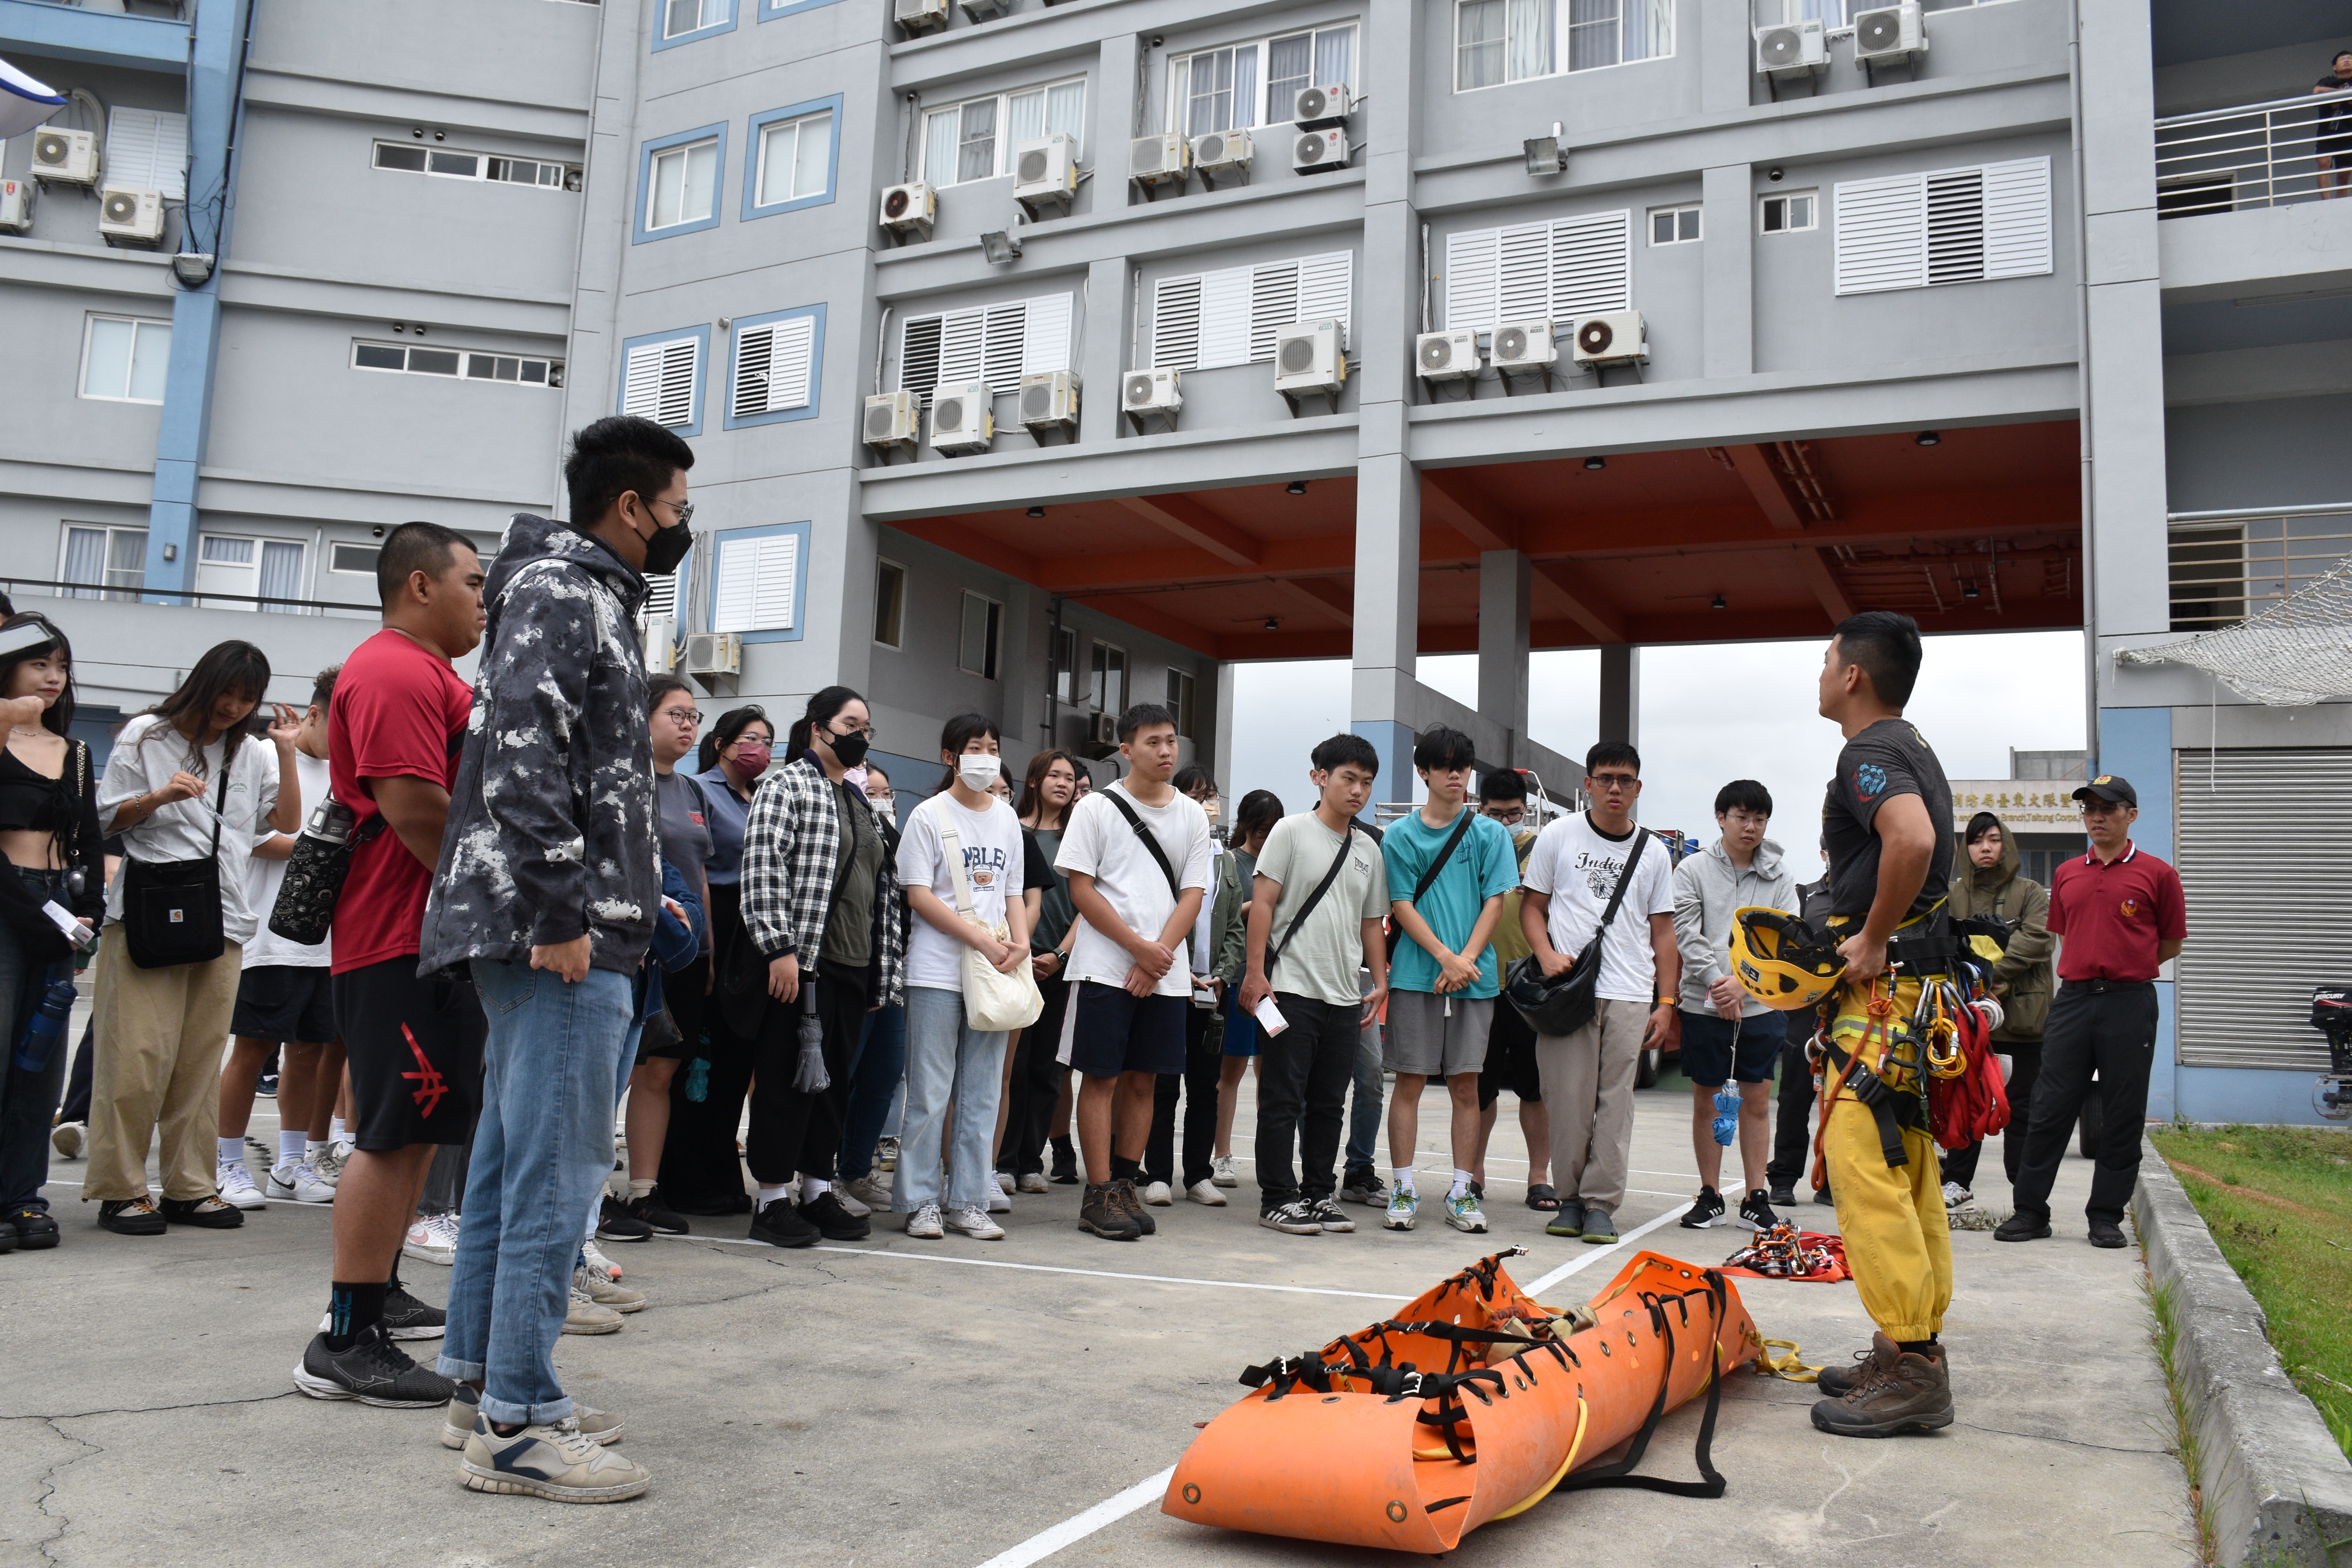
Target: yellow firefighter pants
x=1897, y=1241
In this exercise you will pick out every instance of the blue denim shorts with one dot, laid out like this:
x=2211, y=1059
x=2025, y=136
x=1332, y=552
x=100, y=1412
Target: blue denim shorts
x=1716, y=1048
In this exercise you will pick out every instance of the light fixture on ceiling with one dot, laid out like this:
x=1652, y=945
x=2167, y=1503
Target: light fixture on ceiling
x=1297, y=486
x=1000, y=247
x=1273, y=623
x=1775, y=174
x=1546, y=154
x=1929, y=439
x=1718, y=604
x=1037, y=511
x=1971, y=591
x=1596, y=464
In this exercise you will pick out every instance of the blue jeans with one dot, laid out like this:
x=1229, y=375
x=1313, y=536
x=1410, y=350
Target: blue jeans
x=946, y=1059
x=542, y=1147
x=874, y=1084
x=1364, y=1121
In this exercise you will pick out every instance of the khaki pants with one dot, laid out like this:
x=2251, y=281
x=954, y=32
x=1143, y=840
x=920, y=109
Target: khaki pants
x=1588, y=1087
x=161, y=1034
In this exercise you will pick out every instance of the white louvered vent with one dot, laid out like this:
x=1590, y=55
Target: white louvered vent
x=660, y=382
x=661, y=596
x=1946, y=225
x=1565, y=270
x=997, y=343
x=756, y=581
x=1233, y=316
x=771, y=367
x=2017, y=218
x=147, y=150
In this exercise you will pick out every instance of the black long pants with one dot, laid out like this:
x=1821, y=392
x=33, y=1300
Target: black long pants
x=2025, y=1068
x=85, y=1062
x=1303, y=1078
x=1792, y=1137
x=1198, y=1084
x=2112, y=1033
x=1037, y=1079
x=793, y=1131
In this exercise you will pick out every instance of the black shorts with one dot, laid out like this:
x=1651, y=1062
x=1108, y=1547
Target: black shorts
x=1715, y=1049
x=1113, y=1031
x=286, y=1002
x=1510, y=1057
x=683, y=999
x=415, y=1046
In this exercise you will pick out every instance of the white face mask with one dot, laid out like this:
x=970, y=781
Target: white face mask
x=978, y=770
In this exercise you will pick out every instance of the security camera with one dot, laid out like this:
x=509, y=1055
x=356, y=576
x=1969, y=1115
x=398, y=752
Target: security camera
x=1774, y=174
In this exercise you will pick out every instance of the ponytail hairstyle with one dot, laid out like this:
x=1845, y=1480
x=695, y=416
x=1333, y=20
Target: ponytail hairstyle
x=231, y=667
x=961, y=731
x=822, y=709
x=728, y=730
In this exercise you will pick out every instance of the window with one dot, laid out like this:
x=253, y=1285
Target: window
x=1066, y=662
x=2208, y=569
x=1949, y=226
x=661, y=379
x=758, y=582
x=1250, y=84
x=449, y=163
x=776, y=359
x=889, y=604
x=124, y=359
x=983, y=623
x=147, y=150
x=248, y=568
x=1674, y=225
x=353, y=559
x=683, y=21
x=997, y=343
x=974, y=141
x=1499, y=41
x=1830, y=13
x=1791, y=214
x=685, y=185
x=1182, y=700
x=1563, y=270
x=661, y=596
x=111, y=561
x=1109, y=694
x=795, y=160
x=1232, y=317
x=521, y=370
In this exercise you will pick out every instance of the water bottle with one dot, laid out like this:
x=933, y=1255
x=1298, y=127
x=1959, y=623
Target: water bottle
x=331, y=823
x=697, y=1080
x=1727, y=1115
x=48, y=1022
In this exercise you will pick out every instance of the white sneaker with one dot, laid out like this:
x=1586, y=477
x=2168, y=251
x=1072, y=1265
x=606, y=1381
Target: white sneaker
x=872, y=1189
x=598, y=1261
x=850, y=1201
x=236, y=1188
x=975, y=1225
x=559, y=1462
x=1220, y=1172
x=296, y=1181
x=1034, y=1182
x=1956, y=1197
x=328, y=1161
x=997, y=1202
x=1205, y=1192
x=67, y=1137
x=432, y=1239
x=923, y=1225
x=1158, y=1196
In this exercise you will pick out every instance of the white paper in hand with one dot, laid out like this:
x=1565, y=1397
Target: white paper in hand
x=64, y=919
x=1270, y=1018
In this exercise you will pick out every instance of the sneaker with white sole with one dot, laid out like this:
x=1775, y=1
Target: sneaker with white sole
x=1705, y=1210
x=295, y=1181
x=1291, y=1219
x=405, y=1317
x=1462, y=1212
x=1220, y=1172
x=872, y=1189
x=885, y=1154
x=604, y=1293
x=973, y=1223
x=859, y=1207
x=330, y=1161
x=997, y=1202
x=1032, y=1182
x=1158, y=1196
x=598, y=1261
x=374, y=1371
x=584, y=1316
x=1206, y=1192
x=1404, y=1204
x=67, y=1137
x=1756, y=1210
x=1330, y=1215
x=923, y=1225
x=558, y=1462
x=457, y=1421
x=236, y=1188
x=433, y=1239
x=1956, y=1196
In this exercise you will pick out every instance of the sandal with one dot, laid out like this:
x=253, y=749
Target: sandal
x=1541, y=1196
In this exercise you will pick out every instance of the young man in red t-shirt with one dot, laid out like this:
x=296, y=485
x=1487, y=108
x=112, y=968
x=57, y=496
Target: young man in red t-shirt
x=414, y=1045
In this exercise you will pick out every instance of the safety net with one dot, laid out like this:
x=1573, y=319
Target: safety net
x=2295, y=653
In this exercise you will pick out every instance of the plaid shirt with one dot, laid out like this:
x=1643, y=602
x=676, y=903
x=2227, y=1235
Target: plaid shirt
x=792, y=855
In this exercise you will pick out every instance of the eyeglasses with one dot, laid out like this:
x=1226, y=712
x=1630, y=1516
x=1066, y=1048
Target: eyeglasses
x=865, y=730
x=682, y=716
x=1507, y=813
x=881, y=798
x=685, y=509
x=1614, y=782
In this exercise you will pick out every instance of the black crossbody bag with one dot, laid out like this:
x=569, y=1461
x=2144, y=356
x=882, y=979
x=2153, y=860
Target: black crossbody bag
x=1429, y=877
x=1565, y=1005
x=171, y=909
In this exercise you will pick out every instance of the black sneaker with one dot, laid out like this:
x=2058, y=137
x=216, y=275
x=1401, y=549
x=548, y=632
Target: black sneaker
x=1364, y=1186
x=1330, y=1215
x=656, y=1215
x=1133, y=1205
x=826, y=1212
x=1784, y=1197
x=1756, y=1211
x=33, y=1227
x=1824, y=1198
x=407, y=1318
x=374, y=1371
x=2105, y=1233
x=206, y=1213
x=1291, y=1219
x=2022, y=1227
x=1065, y=1166
x=131, y=1216
x=1706, y=1210
x=614, y=1223
x=779, y=1223
x=267, y=1086
x=1103, y=1215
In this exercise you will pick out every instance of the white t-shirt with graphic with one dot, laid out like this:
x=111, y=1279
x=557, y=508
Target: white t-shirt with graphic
x=1578, y=867
x=1102, y=844
x=992, y=864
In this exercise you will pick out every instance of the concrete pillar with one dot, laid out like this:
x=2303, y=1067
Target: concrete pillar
x=1504, y=577
x=1217, y=715
x=1103, y=348
x=1728, y=304
x=1388, y=614
x=1620, y=693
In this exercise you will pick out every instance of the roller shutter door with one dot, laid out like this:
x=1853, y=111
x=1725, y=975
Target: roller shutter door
x=2266, y=864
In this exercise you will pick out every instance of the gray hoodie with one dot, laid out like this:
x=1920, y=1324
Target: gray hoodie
x=1708, y=889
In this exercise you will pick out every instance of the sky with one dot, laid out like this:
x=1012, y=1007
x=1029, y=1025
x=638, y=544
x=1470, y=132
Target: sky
x=1708, y=714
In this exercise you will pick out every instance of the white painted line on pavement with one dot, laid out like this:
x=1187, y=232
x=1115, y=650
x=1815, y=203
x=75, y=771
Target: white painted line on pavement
x=1599, y=1254
x=1045, y=1543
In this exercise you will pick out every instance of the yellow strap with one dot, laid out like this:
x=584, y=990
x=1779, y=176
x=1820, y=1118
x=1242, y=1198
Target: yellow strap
x=1537, y=1496
x=1785, y=1366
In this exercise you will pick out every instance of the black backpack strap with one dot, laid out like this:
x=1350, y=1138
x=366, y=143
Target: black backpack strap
x=1275, y=950
x=1150, y=840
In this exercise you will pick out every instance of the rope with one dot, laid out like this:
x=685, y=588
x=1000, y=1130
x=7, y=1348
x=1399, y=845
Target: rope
x=1787, y=1365
x=1537, y=1496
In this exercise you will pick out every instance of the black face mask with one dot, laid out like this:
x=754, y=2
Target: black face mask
x=666, y=548
x=849, y=750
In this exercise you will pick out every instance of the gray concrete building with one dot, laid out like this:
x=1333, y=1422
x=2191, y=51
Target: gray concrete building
x=1660, y=322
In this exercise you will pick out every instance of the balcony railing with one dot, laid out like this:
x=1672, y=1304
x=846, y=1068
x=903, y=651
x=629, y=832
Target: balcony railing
x=119, y=587
x=2255, y=155
x=2227, y=565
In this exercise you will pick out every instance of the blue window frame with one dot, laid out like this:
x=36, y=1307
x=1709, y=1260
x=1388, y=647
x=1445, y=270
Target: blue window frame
x=679, y=177
x=776, y=367
x=664, y=377
x=772, y=10
x=693, y=20
x=762, y=574
x=786, y=167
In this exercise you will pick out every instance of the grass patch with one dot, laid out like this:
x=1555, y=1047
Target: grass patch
x=2279, y=1202
x=2164, y=1309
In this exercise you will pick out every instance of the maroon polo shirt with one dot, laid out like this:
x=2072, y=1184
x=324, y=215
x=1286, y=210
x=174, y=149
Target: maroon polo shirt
x=2113, y=916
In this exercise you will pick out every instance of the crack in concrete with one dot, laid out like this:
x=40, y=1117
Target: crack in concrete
x=2048, y=1437
x=154, y=1409
x=49, y=1483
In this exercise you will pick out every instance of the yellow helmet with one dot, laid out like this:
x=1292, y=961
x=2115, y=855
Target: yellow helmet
x=1780, y=960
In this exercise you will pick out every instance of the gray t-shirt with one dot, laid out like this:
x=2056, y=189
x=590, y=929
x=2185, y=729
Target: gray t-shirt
x=684, y=835
x=1322, y=959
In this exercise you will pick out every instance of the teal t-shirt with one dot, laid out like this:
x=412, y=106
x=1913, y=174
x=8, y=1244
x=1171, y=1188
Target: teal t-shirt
x=1483, y=867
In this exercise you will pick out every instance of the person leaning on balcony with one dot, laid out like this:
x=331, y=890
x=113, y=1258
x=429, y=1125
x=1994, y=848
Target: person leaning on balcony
x=2332, y=129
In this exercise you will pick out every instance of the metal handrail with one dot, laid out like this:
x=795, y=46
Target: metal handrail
x=2248, y=155
x=129, y=594
x=2214, y=563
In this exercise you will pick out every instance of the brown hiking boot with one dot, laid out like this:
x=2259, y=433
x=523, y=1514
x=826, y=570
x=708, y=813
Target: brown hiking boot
x=1894, y=1391
x=1102, y=1214
x=1131, y=1204
x=1837, y=1381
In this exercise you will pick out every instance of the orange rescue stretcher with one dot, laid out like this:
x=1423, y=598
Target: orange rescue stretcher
x=1369, y=1443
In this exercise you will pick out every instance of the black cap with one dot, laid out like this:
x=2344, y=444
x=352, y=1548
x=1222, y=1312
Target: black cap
x=2111, y=788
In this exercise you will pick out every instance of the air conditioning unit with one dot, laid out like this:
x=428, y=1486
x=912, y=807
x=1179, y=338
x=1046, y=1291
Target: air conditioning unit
x=919, y=16
x=1310, y=356
x=1151, y=392
x=981, y=10
x=15, y=206
x=1316, y=150
x=713, y=653
x=1524, y=345
x=892, y=419
x=1046, y=172
x=1049, y=400
x=660, y=645
x=1799, y=49
x=1221, y=151
x=1328, y=105
x=1102, y=732
x=64, y=157
x=1447, y=356
x=1159, y=159
x=1615, y=337
x=910, y=209
x=1889, y=34
x=963, y=416
x=131, y=217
